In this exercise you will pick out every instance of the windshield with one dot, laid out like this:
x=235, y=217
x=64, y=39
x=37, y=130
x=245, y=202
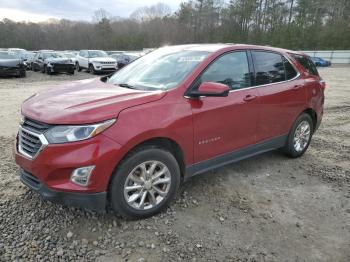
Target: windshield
x=162, y=69
x=5, y=55
x=97, y=53
x=49, y=55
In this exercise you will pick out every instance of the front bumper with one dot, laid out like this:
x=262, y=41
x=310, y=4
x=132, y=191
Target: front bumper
x=10, y=71
x=59, y=68
x=94, y=201
x=50, y=171
x=105, y=68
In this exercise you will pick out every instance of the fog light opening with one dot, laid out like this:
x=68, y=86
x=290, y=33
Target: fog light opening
x=81, y=175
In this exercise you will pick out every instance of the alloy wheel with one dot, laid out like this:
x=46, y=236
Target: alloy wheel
x=147, y=185
x=302, y=136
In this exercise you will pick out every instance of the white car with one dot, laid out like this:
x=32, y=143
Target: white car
x=96, y=61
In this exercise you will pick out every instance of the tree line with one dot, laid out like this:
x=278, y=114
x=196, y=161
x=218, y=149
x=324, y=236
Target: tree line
x=293, y=24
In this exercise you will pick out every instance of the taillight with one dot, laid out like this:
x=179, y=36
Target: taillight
x=323, y=84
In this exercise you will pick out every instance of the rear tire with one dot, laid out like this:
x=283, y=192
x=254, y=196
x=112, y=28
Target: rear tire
x=299, y=137
x=140, y=169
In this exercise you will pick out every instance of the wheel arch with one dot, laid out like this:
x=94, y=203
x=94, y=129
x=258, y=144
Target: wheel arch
x=165, y=143
x=312, y=113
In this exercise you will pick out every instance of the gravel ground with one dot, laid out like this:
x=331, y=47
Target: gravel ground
x=268, y=208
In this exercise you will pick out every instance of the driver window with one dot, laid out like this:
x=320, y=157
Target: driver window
x=230, y=69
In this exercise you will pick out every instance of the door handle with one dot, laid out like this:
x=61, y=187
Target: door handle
x=249, y=98
x=297, y=87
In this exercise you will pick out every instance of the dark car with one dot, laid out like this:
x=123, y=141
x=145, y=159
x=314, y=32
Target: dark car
x=51, y=62
x=124, y=58
x=11, y=66
x=318, y=61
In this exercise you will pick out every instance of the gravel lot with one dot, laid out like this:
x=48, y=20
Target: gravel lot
x=268, y=208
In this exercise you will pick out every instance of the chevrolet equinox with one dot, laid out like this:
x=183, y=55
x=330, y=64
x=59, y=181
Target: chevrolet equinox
x=127, y=140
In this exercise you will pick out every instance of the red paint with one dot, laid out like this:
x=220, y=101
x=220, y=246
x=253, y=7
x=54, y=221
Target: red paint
x=203, y=128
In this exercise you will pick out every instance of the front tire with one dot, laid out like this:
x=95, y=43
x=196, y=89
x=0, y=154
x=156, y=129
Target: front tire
x=78, y=67
x=92, y=69
x=34, y=68
x=22, y=74
x=144, y=183
x=299, y=137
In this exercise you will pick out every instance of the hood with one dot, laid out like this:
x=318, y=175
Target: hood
x=84, y=102
x=10, y=62
x=59, y=60
x=102, y=59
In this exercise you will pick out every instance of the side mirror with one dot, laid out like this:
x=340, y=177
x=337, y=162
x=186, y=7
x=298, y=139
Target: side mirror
x=210, y=89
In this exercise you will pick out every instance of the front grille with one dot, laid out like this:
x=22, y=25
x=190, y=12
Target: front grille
x=31, y=137
x=61, y=66
x=29, y=143
x=35, y=126
x=108, y=63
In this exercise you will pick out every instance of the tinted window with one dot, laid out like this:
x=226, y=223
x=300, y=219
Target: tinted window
x=290, y=71
x=269, y=67
x=230, y=69
x=306, y=63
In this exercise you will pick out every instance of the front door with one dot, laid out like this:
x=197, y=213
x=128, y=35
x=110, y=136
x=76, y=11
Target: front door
x=225, y=124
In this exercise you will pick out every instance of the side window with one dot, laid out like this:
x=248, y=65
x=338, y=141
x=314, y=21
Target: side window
x=290, y=71
x=269, y=67
x=81, y=53
x=306, y=63
x=230, y=69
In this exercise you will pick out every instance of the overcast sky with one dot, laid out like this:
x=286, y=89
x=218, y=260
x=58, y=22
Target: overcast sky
x=40, y=10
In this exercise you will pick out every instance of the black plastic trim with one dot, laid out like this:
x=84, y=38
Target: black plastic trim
x=91, y=201
x=235, y=156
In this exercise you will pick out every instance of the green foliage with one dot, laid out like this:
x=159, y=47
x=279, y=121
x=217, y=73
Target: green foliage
x=294, y=24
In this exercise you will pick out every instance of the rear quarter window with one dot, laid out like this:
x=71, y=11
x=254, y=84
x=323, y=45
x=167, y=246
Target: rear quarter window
x=307, y=63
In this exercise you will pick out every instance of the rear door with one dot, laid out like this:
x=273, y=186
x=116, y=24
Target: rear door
x=225, y=124
x=281, y=93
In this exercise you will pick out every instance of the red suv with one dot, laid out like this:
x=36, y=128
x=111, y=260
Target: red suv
x=130, y=138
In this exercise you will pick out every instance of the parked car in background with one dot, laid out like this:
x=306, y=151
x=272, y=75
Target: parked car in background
x=29, y=58
x=10, y=65
x=71, y=56
x=125, y=58
x=128, y=140
x=18, y=52
x=51, y=62
x=96, y=61
x=114, y=52
x=318, y=61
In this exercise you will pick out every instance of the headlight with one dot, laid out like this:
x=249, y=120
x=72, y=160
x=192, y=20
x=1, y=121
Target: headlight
x=64, y=134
